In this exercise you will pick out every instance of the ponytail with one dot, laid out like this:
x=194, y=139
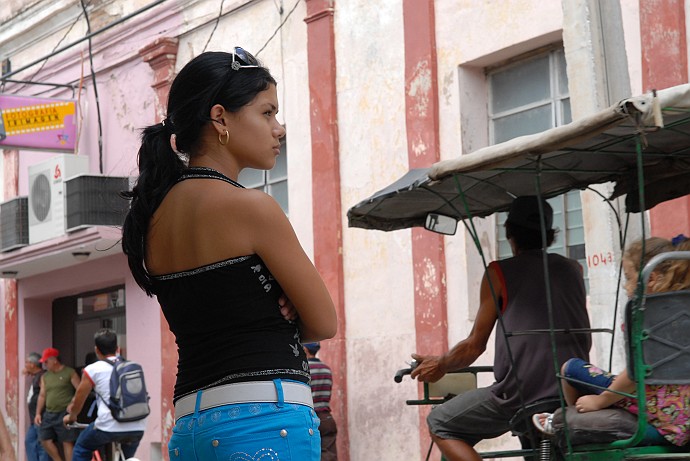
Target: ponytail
x=159, y=169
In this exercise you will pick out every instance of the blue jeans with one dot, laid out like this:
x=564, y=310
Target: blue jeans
x=91, y=439
x=247, y=431
x=587, y=373
x=34, y=449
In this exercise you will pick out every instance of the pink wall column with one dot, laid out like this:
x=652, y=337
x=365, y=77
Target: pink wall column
x=12, y=362
x=328, y=233
x=161, y=56
x=665, y=64
x=421, y=109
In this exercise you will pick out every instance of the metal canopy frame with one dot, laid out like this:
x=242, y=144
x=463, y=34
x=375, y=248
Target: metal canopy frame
x=597, y=149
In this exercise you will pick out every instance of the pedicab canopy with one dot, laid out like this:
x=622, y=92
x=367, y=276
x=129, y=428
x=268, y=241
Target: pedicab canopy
x=653, y=128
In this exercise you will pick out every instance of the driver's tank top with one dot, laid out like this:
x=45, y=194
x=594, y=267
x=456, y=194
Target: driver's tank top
x=524, y=305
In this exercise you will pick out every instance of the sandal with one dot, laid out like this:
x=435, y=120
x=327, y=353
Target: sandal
x=547, y=426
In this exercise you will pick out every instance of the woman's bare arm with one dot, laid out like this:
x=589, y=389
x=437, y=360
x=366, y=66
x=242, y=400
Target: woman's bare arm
x=274, y=240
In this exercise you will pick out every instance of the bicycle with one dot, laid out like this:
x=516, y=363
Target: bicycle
x=115, y=448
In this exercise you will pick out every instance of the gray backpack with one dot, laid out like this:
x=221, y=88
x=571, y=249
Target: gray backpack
x=129, y=400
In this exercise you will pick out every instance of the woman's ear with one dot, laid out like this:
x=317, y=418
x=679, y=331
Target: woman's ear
x=216, y=114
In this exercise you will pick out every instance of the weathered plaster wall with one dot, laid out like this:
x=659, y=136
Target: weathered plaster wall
x=630, y=12
x=378, y=266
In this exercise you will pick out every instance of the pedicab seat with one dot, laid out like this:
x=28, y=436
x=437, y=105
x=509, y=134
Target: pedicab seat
x=601, y=426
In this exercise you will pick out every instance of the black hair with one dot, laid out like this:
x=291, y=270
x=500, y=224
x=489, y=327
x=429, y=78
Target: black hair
x=106, y=341
x=528, y=239
x=90, y=358
x=203, y=82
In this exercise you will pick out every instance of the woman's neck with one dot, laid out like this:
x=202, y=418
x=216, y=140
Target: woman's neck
x=226, y=167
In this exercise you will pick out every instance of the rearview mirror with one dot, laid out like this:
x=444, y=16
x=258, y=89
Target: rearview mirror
x=441, y=224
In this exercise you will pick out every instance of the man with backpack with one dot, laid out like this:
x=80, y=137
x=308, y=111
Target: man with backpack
x=119, y=420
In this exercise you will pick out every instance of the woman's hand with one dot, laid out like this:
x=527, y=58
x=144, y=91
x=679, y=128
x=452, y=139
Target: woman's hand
x=287, y=309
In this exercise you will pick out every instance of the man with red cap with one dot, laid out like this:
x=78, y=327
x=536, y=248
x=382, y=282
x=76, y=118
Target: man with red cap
x=58, y=385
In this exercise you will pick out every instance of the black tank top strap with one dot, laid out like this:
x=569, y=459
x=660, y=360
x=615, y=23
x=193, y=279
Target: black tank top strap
x=202, y=172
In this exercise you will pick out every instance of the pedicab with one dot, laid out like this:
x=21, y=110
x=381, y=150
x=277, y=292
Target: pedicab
x=642, y=146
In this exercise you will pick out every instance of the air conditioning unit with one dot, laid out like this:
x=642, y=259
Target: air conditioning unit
x=14, y=224
x=46, y=194
x=92, y=200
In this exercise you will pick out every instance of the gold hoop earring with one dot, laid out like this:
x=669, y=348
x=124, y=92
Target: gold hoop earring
x=226, y=135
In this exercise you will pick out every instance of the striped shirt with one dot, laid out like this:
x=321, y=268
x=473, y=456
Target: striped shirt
x=321, y=383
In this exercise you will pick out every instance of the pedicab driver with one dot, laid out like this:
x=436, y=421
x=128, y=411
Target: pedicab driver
x=457, y=425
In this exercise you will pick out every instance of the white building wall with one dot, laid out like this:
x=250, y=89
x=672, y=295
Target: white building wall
x=379, y=292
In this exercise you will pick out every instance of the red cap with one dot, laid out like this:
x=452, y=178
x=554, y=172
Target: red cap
x=49, y=352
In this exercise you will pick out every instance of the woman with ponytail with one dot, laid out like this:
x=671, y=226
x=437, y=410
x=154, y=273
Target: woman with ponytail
x=235, y=286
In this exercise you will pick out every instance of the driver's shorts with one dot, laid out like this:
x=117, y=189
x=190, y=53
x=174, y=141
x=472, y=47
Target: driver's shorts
x=470, y=417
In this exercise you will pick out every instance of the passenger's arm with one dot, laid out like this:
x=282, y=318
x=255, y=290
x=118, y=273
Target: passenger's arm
x=463, y=354
x=621, y=383
x=274, y=240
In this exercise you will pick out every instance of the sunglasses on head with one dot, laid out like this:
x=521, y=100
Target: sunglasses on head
x=243, y=59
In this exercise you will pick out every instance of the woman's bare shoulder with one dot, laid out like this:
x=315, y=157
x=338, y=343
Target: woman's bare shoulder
x=205, y=221
x=247, y=205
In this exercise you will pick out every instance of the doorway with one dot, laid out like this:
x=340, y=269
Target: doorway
x=77, y=318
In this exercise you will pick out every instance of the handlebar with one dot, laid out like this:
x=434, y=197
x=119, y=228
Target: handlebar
x=471, y=369
x=405, y=371
x=400, y=373
x=76, y=425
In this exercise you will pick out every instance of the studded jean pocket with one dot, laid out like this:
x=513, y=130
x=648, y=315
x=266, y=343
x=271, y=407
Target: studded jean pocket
x=181, y=447
x=175, y=453
x=270, y=446
x=287, y=435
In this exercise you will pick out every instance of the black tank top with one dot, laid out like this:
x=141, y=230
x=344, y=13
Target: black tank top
x=226, y=321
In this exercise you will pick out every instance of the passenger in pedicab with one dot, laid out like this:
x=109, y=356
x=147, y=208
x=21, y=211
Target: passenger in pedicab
x=667, y=406
x=515, y=286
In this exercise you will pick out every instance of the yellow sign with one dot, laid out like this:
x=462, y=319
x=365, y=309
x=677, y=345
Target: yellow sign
x=32, y=119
